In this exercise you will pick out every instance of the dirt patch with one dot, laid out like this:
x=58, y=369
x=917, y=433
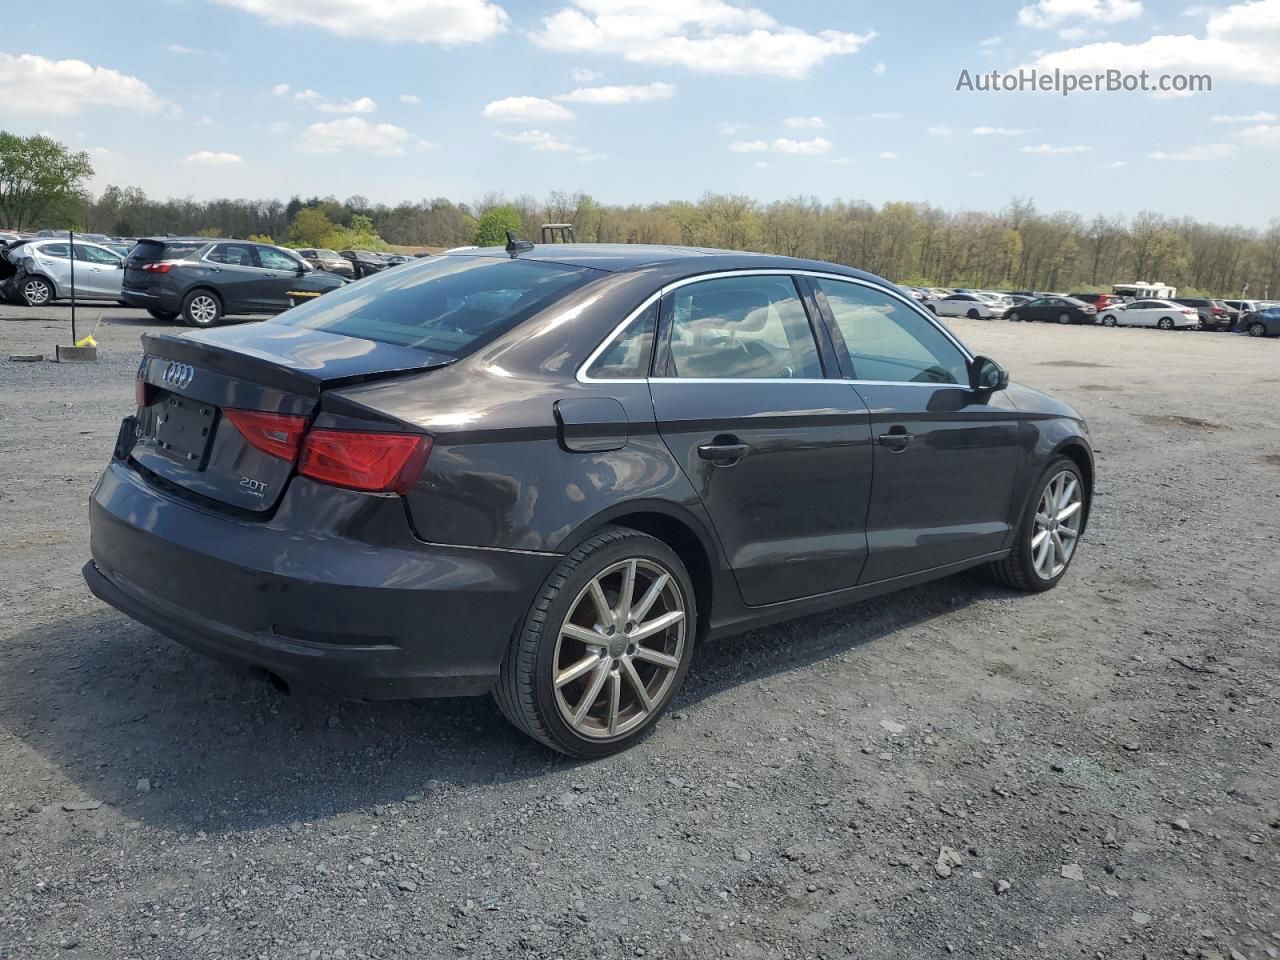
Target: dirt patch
x=1188, y=423
x=1071, y=363
x=1100, y=387
x=1270, y=459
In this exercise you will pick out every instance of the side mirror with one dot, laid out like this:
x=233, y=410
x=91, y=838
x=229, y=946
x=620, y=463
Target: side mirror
x=987, y=376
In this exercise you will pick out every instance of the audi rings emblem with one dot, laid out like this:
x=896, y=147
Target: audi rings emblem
x=178, y=375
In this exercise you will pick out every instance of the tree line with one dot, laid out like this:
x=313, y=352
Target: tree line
x=1019, y=247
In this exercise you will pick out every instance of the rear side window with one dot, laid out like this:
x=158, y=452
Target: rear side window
x=233, y=254
x=150, y=251
x=752, y=328
x=60, y=250
x=889, y=341
x=627, y=355
x=445, y=304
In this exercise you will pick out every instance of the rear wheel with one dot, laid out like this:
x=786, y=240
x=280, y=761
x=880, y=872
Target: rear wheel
x=604, y=647
x=1049, y=532
x=167, y=316
x=932, y=309
x=201, y=308
x=36, y=292
x=1257, y=330
x=1015, y=316
x=973, y=314
x=1064, y=318
x=1166, y=323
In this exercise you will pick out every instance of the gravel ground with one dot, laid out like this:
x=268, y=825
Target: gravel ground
x=952, y=770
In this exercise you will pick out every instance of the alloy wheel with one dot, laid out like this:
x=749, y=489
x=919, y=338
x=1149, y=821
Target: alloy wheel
x=1064, y=318
x=36, y=292
x=1057, y=525
x=1108, y=321
x=617, y=656
x=1165, y=323
x=1257, y=330
x=203, y=309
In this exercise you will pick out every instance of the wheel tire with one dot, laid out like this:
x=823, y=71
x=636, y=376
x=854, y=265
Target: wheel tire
x=1015, y=317
x=1166, y=323
x=1257, y=330
x=526, y=692
x=1018, y=569
x=168, y=316
x=973, y=315
x=201, y=308
x=932, y=309
x=1108, y=321
x=36, y=292
x=1064, y=318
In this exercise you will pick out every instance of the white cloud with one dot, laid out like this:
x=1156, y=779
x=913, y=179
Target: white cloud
x=98, y=151
x=1046, y=149
x=525, y=110
x=205, y=122
x=357, y=133
x=888, y=155
x=443, y=22
x=586, y=75
x=879, y=69
x=1241, y=42
x=728, y=128
x=1117, y=164
x=992, y=42
x=210, y=158
x=180, y=49
x=709, y=36
x=628, y=93
x=1203, y=151
x=940, y=130
x=1260, y=117
x=763, y=164
x=805, y=123
x=817, y=145
x=885, y=115
x=998, y=131
x=410, y=98
x=841, y=161
x=35, y=84
x=541, y=140
x=359, y=105
x=280, y=90
x=1264, y=134
x=1047, y=14
x=748, y=146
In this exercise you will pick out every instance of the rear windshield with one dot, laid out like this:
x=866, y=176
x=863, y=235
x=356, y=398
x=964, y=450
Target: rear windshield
x=445, y=304
x=149, y=251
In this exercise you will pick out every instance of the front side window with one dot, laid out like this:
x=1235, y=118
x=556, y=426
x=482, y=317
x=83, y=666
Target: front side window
x=889, y=341
x=232, y=254
x=750, y=327
x=96, y=255
x=276, y=259
x=445, y=304
x=627, y=355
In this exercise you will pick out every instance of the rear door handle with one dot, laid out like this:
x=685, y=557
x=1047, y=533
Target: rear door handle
x=898, y=440
x=723, y=453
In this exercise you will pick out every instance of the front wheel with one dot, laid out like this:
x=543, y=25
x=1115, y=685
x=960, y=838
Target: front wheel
x=1108, y=321
x=37, y=292
x=604, y=647
x=973, y=315
x=1015, y=317
x=1166, y=323
x=1257, y=330
x=201, y=309
x=932, y=309
x=1064, y=318
x=1049, y=531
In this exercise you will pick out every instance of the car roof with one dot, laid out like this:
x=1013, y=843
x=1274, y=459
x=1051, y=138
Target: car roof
x=626, y=257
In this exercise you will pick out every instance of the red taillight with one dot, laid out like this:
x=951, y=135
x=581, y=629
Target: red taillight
x=142, y=392
x=164, y=266
x=376, y=462
x=279, y=434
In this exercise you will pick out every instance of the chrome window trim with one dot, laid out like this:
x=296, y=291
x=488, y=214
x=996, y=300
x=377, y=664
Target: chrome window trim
x=581, y=375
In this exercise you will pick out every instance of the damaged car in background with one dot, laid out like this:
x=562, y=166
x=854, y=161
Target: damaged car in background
x=38, y=272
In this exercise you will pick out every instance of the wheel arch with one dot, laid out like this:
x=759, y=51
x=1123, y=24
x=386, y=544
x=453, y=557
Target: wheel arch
x=1075, y=450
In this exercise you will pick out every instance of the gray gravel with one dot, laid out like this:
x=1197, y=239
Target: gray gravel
x=954, y=770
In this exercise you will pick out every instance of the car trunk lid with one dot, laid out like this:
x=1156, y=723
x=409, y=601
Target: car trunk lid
x=189, y=433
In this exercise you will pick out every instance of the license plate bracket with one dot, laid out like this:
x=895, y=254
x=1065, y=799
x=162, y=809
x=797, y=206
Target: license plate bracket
x=184, y=429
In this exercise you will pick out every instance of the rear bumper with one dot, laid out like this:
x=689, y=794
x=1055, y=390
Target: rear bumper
x=385, y=617
x=150, y=301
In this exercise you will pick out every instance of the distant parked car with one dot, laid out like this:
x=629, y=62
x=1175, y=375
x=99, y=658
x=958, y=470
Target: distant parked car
x=329, y=260
x=1099, y=301
x=204, y=280
x=40, y=272
x=1151, y=313
x=1213, y=314
x=1262, y=323
x=1054, y=309
x=1243, y=307
x=364, y=262
x=964, y=305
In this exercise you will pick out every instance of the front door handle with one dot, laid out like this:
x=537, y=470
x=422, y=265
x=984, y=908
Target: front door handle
x=898, y=441
x=724, y=453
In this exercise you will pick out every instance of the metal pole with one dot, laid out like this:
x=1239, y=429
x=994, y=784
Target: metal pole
x=71, y=244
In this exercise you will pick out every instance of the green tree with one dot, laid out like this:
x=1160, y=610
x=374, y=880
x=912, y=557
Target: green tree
x=493, y=226
x=37, y=173
x=310, y=228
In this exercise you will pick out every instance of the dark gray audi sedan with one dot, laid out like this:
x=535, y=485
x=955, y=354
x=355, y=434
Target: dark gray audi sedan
x=547, y=472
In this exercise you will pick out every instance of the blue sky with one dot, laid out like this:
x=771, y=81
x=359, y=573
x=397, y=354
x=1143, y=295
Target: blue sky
x=645, y=100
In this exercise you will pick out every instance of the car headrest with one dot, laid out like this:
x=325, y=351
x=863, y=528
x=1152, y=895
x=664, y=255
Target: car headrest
x=742, y=307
